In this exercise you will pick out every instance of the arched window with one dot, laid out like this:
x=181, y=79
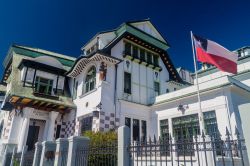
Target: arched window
x=90, y=80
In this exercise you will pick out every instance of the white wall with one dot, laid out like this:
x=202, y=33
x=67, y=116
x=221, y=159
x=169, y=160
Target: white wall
x=142, y=78
x=214, y=100
x=39, y=73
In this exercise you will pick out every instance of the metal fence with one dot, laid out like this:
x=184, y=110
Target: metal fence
x=200, y=150
x=14, y=159
x=97, y=155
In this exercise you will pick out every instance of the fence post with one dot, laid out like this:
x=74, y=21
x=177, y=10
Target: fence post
x=61, y=151
x=123, y=144
x=37, y=155
x=22, y=155
x=76, y=143
x=5, y=155
x=13, y=157
x=48, y=153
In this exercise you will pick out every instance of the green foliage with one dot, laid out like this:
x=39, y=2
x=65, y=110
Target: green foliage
x=103, y=148
x=101, y=138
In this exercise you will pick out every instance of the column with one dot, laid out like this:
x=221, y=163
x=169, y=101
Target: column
x=76, y=144
x=23, y=134
x=51, y=127
x=61, y=152
x=37, y=155
x=48, y=153
x=123, y=143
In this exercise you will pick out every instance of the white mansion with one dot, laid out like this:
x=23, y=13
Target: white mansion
x=124, y=77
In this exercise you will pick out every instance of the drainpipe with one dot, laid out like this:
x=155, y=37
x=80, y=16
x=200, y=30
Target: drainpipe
x=115, y=91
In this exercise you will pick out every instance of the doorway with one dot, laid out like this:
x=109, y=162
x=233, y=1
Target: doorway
x=32, y=137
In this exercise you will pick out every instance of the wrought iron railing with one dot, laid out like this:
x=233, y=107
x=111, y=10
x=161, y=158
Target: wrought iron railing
x=98, y=155
x=200, y=149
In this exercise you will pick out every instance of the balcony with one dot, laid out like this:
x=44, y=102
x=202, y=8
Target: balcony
x=45, y=95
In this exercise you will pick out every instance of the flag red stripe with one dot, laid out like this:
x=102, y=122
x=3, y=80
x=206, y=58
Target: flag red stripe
x=218, y=61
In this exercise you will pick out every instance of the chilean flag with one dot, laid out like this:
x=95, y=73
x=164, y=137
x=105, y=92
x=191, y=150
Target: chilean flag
x=212, y=53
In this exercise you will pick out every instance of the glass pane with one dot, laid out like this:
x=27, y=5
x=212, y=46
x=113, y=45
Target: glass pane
x=128, y=122
x=135, y=52
x=156, y=62
x=127, y=82
x=144, y=129
x=128, y=48
x=149, y=57
x=136, y=130
x=142, y=55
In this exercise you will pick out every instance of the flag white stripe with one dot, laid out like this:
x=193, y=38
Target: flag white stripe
x=216, y=49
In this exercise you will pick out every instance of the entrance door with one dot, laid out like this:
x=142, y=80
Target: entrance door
x=32, y=137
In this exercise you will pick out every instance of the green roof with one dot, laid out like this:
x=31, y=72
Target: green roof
x=142, y=35
x=35, y=52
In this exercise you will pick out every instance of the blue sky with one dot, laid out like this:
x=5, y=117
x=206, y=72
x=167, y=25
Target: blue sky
x=64, y=26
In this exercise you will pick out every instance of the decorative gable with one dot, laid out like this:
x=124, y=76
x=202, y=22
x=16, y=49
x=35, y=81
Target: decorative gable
x=148, y=27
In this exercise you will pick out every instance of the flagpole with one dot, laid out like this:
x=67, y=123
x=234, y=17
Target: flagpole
x=200, y=114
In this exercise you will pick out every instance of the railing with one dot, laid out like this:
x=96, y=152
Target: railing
x=97, y=155
x=46, y=95
x=200, y=149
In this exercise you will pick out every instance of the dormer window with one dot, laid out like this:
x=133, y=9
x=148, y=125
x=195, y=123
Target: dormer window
x=156, y=60
x=90, y=80
x=149, y=57
x=43, y=86
x=127, y=48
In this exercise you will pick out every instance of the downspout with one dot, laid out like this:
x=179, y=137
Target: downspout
x=115, y=91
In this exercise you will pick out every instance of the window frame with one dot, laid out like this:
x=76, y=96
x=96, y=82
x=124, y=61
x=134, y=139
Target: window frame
x=89, y=83
x=128, y=89
x=48, y=85
x=157, y=93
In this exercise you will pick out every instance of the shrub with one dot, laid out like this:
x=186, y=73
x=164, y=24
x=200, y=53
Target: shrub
x=103, y=148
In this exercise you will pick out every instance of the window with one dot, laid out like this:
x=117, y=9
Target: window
x=156, y=61
x=136, y=130
x=211, y=127
x=135, y=52
x=174, y=89
x=90, y=80
x=164, y=129
x=127, y=48
x=127, y=82
x=58, y=129
x=142, y=55
x=167, y=90
x=43, y=86
x=86, y=124
x=128, y=122
x=186, y=126
x=149, y=57
x=144, y=129
x=157, y=88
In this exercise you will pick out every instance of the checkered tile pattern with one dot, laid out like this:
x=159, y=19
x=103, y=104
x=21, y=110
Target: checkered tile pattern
x=67, y=129
x=107, y=121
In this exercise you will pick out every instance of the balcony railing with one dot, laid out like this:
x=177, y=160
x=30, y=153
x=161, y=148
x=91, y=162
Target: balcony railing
x=45, y=95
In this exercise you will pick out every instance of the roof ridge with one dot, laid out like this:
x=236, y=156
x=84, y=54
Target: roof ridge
x=58, y=55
